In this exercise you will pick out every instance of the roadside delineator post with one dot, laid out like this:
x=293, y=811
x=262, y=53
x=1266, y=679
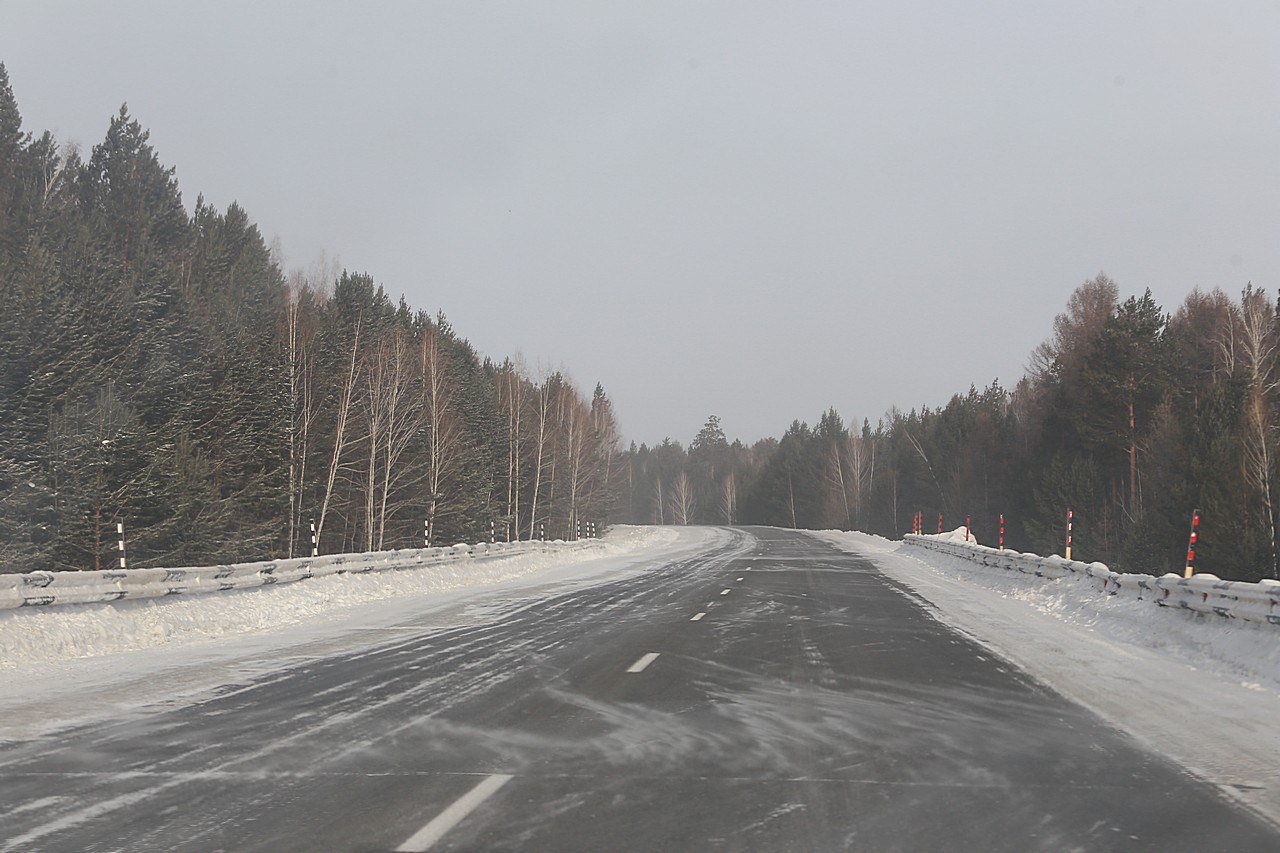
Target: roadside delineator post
x=120, y=532
x=315, y=546
x=967, y=520
x=542, y=532
x=1192, y=541
x=1070, y=524
x=1002, y=531
x=493, y=531
x=426, y=533
x=939, y=524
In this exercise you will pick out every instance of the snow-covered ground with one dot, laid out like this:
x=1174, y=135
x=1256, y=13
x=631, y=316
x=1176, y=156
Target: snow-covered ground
x=56, y=662
x=1202, y=690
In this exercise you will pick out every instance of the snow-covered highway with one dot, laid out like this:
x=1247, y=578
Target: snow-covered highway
x=751, y=689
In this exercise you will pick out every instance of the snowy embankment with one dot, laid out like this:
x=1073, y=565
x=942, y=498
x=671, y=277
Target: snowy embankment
x=1201, y=688
x=31, y=637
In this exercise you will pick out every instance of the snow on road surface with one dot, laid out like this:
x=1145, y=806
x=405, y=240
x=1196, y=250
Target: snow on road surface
x=1202, y=690
x=119, y=655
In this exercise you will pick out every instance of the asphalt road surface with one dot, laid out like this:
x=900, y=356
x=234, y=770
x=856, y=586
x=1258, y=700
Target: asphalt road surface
x=775, y=694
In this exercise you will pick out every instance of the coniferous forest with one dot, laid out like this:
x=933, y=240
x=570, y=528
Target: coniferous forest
x=1129, y=416
x=159, y=369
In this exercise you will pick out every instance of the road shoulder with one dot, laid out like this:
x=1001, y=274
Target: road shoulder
x=1218, y=728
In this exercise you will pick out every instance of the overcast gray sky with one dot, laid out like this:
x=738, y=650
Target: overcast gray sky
x=752, y=209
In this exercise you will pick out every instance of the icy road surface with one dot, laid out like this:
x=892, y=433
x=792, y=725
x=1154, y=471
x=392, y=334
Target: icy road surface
x=759, y=690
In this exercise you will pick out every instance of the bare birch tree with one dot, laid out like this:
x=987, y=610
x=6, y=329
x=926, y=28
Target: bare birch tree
x=511, y=401
x=300, y=364
x=1257, y=357
x=394, y=418
x=344, y=402
x=444, y=431
x=729, y=498
x=681, y=499
x=542, y=415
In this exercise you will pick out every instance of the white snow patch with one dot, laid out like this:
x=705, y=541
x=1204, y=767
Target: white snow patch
x=1202, y=690
x=34, y=636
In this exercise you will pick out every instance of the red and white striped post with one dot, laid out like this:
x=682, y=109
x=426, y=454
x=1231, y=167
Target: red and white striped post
x=968, y=519
x=1070, y=523
x=1002, y=531
x=1192, y=542
x=939, y=524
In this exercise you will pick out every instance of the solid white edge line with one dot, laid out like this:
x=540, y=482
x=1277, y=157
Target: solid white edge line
x=697, y=617
x=645, y=660
x=453, y=815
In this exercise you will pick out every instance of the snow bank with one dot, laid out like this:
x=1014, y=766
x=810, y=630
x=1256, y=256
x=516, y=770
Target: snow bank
x=1200, y=688
x=34, y=636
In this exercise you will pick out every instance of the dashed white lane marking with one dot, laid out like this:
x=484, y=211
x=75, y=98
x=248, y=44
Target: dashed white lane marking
x=452, y=816
x=697, y=617
x=724, y=592
x=644, y=661
x=739, y=578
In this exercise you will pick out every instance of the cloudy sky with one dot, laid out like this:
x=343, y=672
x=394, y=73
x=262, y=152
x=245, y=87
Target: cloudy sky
x=753, y=209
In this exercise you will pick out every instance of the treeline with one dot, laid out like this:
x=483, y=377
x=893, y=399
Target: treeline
x=1129, y=416
x=157, y=368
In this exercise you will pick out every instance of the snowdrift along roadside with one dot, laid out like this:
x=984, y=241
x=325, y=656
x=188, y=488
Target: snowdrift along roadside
x=1198, y=688
x=30, y=637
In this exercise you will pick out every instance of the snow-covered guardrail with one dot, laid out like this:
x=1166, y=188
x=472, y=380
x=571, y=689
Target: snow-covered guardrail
x=34, y=589
x=1204, y=593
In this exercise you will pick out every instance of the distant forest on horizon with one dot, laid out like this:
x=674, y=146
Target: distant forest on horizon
x=158, y=368
x=1129, y=416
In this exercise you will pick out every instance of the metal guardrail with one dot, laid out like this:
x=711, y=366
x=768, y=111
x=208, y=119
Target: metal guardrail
x=40, y=589
x=1203, y=593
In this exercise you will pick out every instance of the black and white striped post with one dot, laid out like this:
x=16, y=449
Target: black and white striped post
x=1192, y=541
x=542, y=532
x=315, y=545
x=426, y=533
x=1070, y=526
x=120, y=533
x=493, y=531
x=1002, y=531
